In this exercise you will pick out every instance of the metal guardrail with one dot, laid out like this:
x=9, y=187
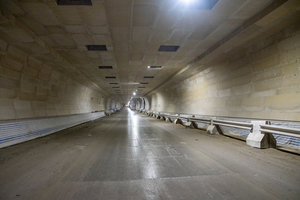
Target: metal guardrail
x=285, y=131
x=200, y=120
x=256, y=128
x=290, y=132
x=234, y=124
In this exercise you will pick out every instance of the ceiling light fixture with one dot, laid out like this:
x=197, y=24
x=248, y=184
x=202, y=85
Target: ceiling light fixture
x=154, y=67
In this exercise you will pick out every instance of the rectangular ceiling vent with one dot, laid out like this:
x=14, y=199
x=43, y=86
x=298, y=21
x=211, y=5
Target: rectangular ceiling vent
x=110, y=77
x=154, y=67
x=167, y=48
x=113, y=83
x=74, y=2
x=115, y=87
x=203, y=5
x=144, y=83
x=141, y=87
x=96, y=47
x=105, y=67
x=148, y=76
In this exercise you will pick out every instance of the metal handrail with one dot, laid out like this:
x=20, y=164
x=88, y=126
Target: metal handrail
x=291, y=132
x=198, y=119
x=232, y=123
x=234, y=126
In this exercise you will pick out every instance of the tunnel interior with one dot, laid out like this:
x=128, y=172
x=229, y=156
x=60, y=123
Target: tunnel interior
x=224, y=68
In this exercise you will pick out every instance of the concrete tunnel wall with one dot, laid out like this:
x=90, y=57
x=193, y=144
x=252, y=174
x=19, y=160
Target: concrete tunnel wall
x=263, y=81
x=32, y=89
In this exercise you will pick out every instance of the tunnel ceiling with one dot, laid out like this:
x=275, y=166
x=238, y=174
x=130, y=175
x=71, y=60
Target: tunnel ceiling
x=131, y=35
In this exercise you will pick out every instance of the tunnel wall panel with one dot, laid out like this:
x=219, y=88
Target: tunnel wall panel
x=261, y=82
x=30, y=88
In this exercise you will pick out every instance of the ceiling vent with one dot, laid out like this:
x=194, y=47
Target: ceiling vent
x=154, y=67
x=141, y=87
x=166, y=48
x=203, y=4
x=115, y=87
x=114, y=83
x=96, y=47
x=144, y=83
x=148, y=76
x=110, y=77
x=74, y=2
x=105, y=67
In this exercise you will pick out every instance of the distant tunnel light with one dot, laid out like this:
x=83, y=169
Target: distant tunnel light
x=154, y=67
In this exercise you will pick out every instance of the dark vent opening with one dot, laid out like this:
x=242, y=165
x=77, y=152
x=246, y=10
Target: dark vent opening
x=96, y=47
x=114, y=83
x=74, y=2
x=154, y=67
x=144, y=83
x=141, y=87
x=148, y=76
x=166, y=48
x=110, y=77
x=105, y=67
x=115, y=87
x=203, y=4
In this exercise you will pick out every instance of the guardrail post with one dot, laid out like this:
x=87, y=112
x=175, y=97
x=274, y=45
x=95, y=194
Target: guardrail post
x=178, y=121
x=168, y=119
x=258, y=139
x=212, y=129
x=107, y=113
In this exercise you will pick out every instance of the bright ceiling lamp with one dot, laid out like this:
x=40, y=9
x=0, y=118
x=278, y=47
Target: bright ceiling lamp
x=134, y=93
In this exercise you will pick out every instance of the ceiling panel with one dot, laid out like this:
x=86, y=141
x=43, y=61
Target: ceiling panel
x=133, y=31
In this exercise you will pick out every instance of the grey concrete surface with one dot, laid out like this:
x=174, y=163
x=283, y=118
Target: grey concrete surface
x=131, y=156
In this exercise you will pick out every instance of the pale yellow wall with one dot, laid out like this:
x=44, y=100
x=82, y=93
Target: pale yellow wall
x=29, y=88
x=261, y=82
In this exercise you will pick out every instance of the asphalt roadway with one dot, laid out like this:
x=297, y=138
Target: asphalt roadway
x=129, y=155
